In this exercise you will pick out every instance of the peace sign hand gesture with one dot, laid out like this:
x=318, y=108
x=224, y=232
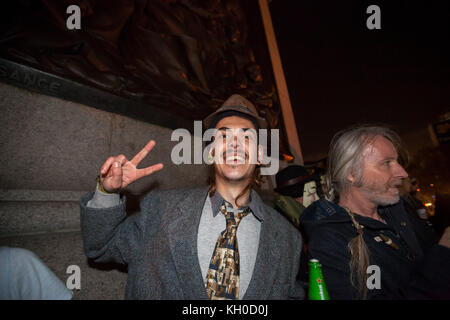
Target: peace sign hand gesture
x=117, y=172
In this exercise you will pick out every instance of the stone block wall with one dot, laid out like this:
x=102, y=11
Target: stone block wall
x=50, y=153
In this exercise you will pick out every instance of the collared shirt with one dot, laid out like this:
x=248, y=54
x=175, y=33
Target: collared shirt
x=217, y=201
x=212, y=224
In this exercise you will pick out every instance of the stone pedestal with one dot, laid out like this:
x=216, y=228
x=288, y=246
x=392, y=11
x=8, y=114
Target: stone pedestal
x=51, y=151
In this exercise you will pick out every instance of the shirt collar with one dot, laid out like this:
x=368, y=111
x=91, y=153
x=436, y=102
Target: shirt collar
x=254, y=204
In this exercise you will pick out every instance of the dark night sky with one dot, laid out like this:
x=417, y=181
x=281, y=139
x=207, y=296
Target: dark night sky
x=339, y=72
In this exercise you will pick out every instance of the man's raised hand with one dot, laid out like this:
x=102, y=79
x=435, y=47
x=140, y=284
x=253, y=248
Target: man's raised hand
x=118, y=172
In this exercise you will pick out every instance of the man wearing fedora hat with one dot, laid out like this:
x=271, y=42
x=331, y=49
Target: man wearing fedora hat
x=295, y=190
x=218, y=242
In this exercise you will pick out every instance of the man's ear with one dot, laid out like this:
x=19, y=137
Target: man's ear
x=211, y=156
x=260, y=154
x=351, y=178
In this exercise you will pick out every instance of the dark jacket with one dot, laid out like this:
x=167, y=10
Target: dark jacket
x=415, y=267
x=159, y=245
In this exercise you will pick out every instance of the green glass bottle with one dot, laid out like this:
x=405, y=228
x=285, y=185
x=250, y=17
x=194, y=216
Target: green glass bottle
x=317, y=288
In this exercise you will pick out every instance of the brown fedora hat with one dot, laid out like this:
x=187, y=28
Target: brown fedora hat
x=239, y=104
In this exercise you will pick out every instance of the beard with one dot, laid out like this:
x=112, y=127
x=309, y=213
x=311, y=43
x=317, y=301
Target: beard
x=382, y=195
x=236, y=179
x=384, y=200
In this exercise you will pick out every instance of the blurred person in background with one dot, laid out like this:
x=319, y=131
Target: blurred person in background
x=296, y=189
x=408, y=191
x=23, y=276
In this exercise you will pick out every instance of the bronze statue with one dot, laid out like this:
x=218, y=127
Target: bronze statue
x=189, y=54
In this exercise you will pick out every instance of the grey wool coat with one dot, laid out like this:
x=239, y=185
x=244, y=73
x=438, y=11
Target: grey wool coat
x=159, y=245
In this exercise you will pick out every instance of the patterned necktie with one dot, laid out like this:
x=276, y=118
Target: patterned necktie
x=222, y=280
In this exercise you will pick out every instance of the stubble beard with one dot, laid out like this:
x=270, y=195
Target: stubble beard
x=237, y=179
x=381, y=197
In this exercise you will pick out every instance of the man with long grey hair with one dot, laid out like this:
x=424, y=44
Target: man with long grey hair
x=369, y=245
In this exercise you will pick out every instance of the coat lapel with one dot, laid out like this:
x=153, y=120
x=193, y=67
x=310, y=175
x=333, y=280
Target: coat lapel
x=183, y=231
x=267, y=260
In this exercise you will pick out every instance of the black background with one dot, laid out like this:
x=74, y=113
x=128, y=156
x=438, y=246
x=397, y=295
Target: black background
x=340, y=73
